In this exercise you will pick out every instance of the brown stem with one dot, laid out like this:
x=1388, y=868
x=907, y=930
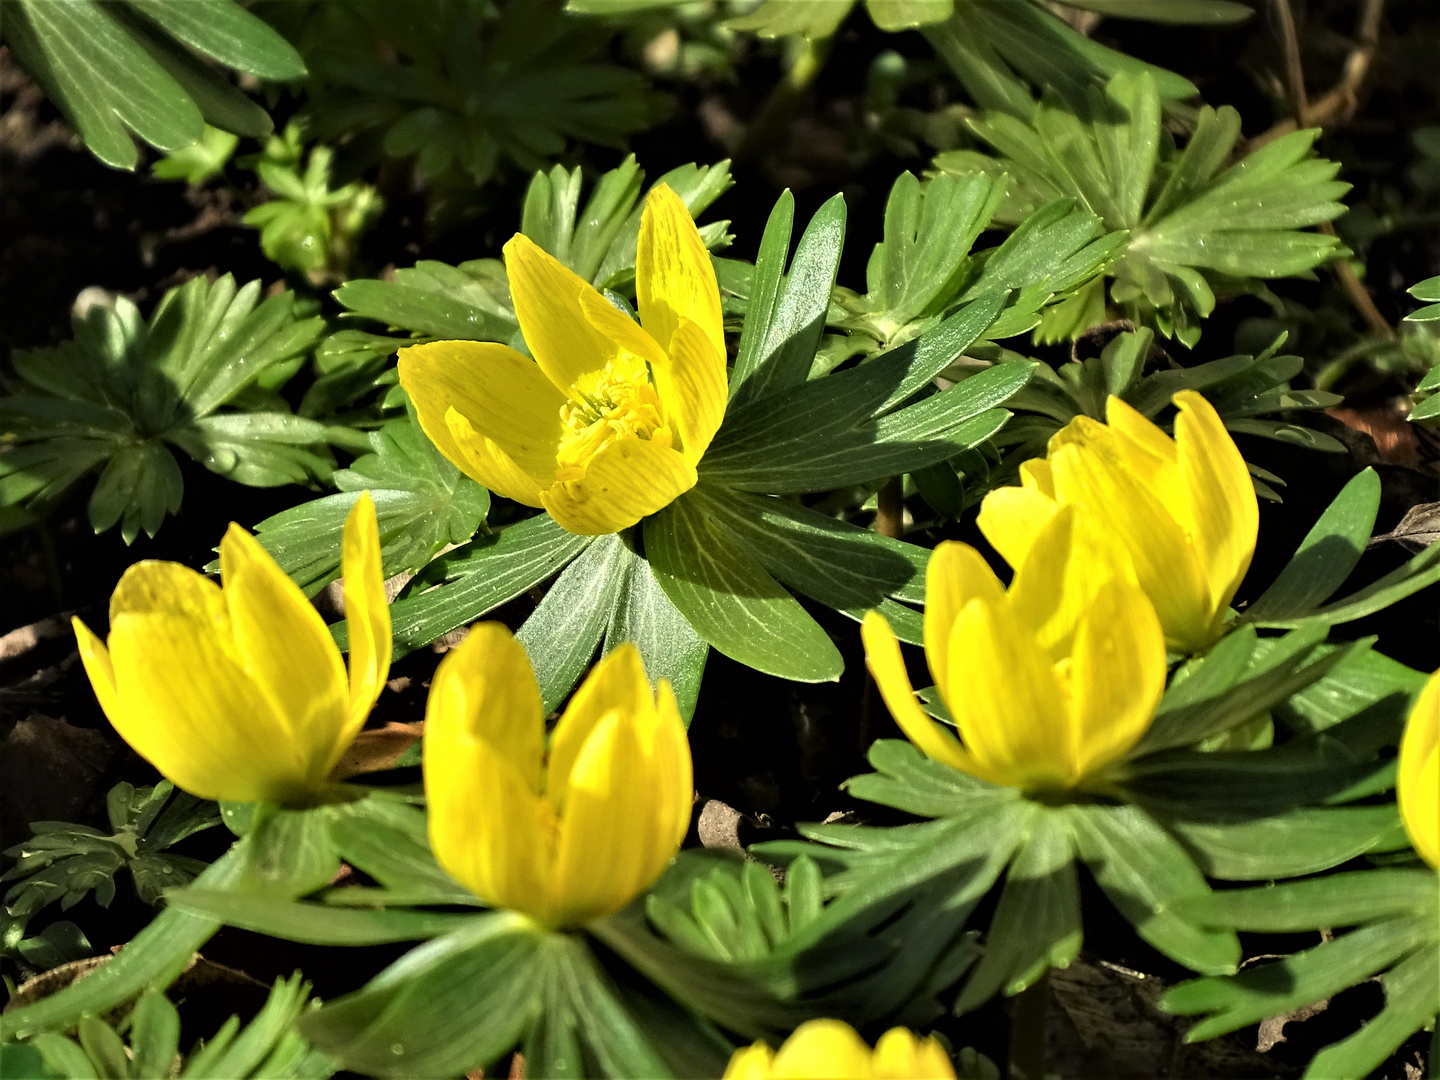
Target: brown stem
x=890, y=508
x=1027, y=1031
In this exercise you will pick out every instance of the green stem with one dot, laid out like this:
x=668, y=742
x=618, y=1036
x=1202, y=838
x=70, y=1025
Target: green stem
x=1027, y=1031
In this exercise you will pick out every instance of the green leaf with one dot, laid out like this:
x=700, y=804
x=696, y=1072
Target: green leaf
x=154, y=1035
x=728, y=597
x=845, y=428
x=1301, y=841
x=1239, y=679
x=422, y=503
x=840, y=565
x=1419, y=573
x=387, y=840
x=668, y=644
x=1326, y=556
x=200, y=160
x=462, y=585
x=110, y=399
x=1145, y=873
x=1298, y=980
x=1346, y=899
x=562, y=633
x=788, y=333
x=111, y=72
x=153, y=958
x=1412, y=989
x=907, y=780
x=316, y=924
x=287, y=853
x=455, y=1003
x=470, y=302
x=1036, y=925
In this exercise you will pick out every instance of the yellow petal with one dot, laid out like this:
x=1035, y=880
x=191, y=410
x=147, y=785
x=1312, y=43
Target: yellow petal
x=1148, y=451
x=1011, y=715
x=691, y=383
x=899, y=1055
x=1225, y=517
x=287, y=652
x=750, y=1063
x=1117, y=674
x=96, y=659
x=1418, y=783
x=887, y=665
x=674, y=277
x=1011, y=517
x=1069, y=560
x=484, y=733
x=956, y=574
x=367, y=615
x=152, y=587
x=486, y=688
x=628, y=480
x=502, y=395
x=548, y=300
x=609, y=849
x=486, y=463
x=823, y=1048
x=616, y=683
x=1089, y=472
x=628, y=348
x=194, y=715
x=674, y=769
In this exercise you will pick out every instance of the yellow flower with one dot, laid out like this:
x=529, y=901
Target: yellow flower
x=566, y=837
x=831, y=1050
x=1048, y=683
x=1180, y=511
x=606, y=425
x=240, y=693
x=1418, y=784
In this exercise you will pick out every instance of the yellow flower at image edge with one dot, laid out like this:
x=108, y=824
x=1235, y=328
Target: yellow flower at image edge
x=1048, y=683
x=567, y=836
x=1180, y=512
x=832, y=1050
x=606, y=425
x=239, y=692
x=1418, y=783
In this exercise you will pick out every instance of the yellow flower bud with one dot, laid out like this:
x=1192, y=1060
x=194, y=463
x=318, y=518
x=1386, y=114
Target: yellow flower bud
x=1048, y=683
x=1180, y=512
x=1418, y=782
x=239, y=692
x=564, y=836
x=832, y=1050
x=606, y=425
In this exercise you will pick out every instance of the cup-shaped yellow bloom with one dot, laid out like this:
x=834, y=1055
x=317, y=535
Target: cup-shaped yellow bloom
x=832, y=1050
x=1181, y=511
x=239, y=693
x=606, y=425
x=1418, y=784
x=563, y=836
x=1047, y=683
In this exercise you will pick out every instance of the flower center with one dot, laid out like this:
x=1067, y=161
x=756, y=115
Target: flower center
x=605, y=407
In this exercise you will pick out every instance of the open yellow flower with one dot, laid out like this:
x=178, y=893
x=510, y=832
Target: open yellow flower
x=1049, y=682
x=1418, y=784
x=606, y=425
x=1181, y=511
x=239, y=693
x=564, y=837
x=832, y=1050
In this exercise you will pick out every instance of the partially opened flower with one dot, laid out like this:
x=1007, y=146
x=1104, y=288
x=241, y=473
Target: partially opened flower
x=565, y=835
x=1181, y=511
x=833, y=1050
x=1418, y=783
x=608, y=421
x=239, y=693
x=1048, y=683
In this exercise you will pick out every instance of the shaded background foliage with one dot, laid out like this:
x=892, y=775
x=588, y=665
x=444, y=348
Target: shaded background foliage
x=771, y=750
